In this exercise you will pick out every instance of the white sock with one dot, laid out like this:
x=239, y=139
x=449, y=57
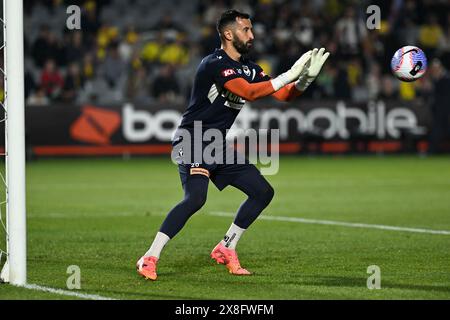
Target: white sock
x=158, y=244
x=232, y=236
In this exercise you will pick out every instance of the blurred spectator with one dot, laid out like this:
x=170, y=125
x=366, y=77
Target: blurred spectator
x=445, y=44
x=303, y=30
x=350, y=30
x=51, y=80
x=107, y=37
x=407, y=90
x=431, y=34
x=75, y=49
x=342, y=88
x=38, y=98
x=88, y=67
x=89, y=23
x=113, y=67
x=126, y=46
x=388, y=88
x=30, y=84
x=165, y=85
x=152, y=49
x=73, y=83
x=374, y=81
x=325, y=82
x=138, y=86
x=288, y=56
x=174, y=52
x=213, y=10
x=354, y=71
x=45, y=47
x=409, y=32
x=440, y=106
x=411, y=10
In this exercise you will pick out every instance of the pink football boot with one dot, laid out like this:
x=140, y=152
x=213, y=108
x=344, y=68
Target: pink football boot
x=146, y=267
x=229, y=258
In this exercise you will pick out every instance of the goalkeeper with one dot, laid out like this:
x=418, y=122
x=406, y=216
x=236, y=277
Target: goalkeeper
x=223, y=82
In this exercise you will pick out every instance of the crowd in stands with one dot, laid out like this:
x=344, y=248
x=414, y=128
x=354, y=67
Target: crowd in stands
x=146, y=51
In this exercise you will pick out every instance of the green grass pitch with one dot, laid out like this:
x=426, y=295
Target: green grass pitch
x=102, y=214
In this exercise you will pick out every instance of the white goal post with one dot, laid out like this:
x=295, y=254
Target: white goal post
x=15, y=269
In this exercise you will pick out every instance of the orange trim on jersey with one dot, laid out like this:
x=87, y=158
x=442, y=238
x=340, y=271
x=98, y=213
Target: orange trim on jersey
x=201, y=171
x=287, y=93
x=249, y=91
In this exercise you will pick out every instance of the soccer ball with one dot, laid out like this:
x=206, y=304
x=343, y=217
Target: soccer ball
x=409, y=63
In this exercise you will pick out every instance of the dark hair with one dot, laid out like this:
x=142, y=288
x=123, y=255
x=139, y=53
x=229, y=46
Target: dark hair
x=229, y=17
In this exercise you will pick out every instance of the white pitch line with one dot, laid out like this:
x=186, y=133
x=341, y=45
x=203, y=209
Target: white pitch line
x=337, y=223
x=72, y=215
x=65, y=292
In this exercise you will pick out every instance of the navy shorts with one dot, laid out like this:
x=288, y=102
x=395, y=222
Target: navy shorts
x=221, y=173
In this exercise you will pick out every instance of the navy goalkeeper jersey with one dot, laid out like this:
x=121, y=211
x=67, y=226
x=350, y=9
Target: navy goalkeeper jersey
x=210, y=102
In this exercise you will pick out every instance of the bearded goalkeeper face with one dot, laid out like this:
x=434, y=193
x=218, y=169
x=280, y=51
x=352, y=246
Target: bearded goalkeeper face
x=240, y=35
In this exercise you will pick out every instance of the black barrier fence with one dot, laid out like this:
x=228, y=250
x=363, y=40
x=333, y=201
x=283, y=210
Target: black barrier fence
x=304, y=127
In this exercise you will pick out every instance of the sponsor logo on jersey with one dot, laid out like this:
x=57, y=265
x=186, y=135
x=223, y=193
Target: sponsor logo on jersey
x=228, y=72
x=231, y=97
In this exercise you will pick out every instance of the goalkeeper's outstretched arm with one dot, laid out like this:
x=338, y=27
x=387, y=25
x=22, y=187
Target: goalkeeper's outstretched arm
x=283, y=87
x=252, y=91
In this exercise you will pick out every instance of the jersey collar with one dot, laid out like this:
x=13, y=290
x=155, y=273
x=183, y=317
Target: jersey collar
x=220, y=50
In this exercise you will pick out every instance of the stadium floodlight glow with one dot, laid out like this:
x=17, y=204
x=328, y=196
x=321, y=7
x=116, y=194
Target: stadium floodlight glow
x=14, y=270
